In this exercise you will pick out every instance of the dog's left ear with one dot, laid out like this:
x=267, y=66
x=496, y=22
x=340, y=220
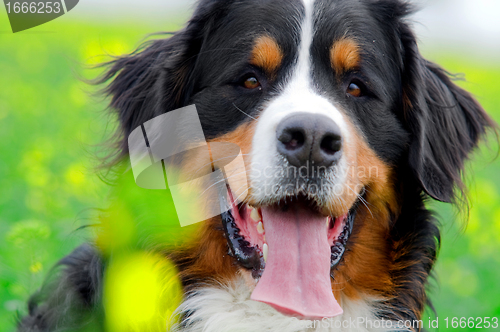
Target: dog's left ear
x=445, y=122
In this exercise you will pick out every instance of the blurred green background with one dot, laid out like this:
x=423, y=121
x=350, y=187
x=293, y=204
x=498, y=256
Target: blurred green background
x=49, y=123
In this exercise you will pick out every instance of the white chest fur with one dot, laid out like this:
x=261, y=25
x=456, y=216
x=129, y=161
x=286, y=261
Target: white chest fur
x=228, y=308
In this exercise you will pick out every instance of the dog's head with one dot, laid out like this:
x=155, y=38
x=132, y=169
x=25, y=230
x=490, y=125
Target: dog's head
x=343, y=125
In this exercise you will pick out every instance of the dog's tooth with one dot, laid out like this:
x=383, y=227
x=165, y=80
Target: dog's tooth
x=260, y=227
x=265, y=251
x=254, y=215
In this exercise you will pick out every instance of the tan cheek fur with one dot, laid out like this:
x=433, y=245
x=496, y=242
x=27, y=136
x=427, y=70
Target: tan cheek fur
x=207, y=256
x=366, y=266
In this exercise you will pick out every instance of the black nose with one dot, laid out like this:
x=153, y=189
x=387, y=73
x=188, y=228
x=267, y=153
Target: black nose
x=309, y=140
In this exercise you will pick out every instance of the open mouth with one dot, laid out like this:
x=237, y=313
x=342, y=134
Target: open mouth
x=291, y=249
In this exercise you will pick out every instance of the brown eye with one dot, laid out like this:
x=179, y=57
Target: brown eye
x=251, y=83
x=354, y=90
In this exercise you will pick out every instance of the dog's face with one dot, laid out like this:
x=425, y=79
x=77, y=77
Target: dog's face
x=342, y=125
x=311, y=98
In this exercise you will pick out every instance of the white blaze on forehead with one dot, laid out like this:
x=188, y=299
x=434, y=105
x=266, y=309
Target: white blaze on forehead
x=300, y=88
x=306, y=38
x=298, y=96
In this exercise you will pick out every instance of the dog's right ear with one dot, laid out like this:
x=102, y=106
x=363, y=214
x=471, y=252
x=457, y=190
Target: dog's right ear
x=146, y=83
x=156, y=78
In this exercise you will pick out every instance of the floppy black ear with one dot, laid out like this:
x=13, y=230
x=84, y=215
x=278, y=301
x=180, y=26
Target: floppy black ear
x=146, y=83
x=446, y=123
x=156, y=78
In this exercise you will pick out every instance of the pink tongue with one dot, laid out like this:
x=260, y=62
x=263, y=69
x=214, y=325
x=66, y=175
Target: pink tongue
x=296, y=279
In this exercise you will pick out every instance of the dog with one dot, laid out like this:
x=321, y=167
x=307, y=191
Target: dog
x=337, y=94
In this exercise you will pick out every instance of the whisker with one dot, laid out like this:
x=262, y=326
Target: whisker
x=365, y=203
x=222, y=181
x=251, y=117
x=236, y=199
x=197, y=170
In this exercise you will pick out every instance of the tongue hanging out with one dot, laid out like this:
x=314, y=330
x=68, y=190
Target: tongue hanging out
x=296, y=279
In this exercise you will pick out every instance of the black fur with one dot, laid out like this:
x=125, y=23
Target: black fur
x=70, y=298
x=412, y=115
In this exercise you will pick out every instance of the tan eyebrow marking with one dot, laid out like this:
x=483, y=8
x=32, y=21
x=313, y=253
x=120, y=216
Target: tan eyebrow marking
x=344, y=55
x=266, y=54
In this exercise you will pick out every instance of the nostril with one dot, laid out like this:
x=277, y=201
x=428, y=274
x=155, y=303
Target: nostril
x=331, y=144
x=292, y=139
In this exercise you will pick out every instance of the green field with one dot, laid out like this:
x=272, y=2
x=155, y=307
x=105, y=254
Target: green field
x=50, y=122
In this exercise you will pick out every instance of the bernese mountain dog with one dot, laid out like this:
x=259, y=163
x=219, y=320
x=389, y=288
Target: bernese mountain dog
x=336, y=93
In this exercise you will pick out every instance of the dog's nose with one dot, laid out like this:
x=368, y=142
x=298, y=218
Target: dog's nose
x=309, y=140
